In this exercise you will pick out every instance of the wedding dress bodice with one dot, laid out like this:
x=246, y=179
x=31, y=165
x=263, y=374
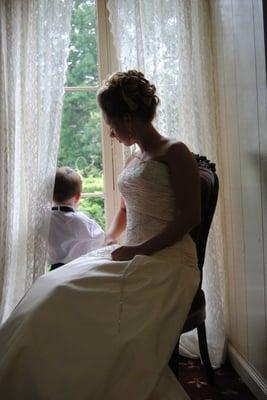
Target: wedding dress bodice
x=146, y=189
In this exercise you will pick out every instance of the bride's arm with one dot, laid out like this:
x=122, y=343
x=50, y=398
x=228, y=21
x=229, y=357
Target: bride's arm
x=185, y=181
x=118, y=225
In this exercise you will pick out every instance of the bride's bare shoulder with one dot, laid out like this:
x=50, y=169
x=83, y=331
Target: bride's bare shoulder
x=177, y=151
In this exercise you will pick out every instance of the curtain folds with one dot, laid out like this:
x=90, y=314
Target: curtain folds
x=170, y=42
x=34, y=38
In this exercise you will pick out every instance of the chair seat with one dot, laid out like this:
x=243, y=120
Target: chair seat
x=197, y=313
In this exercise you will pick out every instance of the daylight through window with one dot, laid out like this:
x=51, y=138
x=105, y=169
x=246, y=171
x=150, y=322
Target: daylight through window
x=80, y=141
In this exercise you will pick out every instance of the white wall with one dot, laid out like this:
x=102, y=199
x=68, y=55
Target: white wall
x=241, y=87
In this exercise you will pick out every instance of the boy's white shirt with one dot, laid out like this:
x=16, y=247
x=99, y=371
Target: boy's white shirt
x=71, y=235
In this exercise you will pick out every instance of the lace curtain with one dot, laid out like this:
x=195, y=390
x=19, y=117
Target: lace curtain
x=170, y=41
x=34, y=39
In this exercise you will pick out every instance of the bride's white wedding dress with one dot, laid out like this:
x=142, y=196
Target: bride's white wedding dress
x=100, y=329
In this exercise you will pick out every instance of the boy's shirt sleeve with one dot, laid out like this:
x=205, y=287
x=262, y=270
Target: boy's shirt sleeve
x=89, y=235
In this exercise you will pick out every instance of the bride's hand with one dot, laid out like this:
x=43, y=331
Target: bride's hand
x=124, y=253
x=109, y=240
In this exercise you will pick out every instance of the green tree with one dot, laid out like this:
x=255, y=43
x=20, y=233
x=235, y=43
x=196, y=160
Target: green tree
x=82, y=60
x=80, y=140
x=80, y=144
x=93, y=206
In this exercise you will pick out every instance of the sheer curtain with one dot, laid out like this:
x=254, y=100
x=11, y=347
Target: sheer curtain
x=170, y=41
x=34, y=39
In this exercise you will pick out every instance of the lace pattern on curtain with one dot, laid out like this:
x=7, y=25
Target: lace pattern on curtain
x=34, y=38
x=171, y=43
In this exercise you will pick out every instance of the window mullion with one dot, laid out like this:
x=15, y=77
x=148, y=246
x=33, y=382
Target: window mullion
x=90, y=89
x=112, y=151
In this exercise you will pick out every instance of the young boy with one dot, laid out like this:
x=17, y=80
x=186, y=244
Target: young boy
x=72, y=233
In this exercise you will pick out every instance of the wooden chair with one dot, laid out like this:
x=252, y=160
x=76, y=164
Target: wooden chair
x=197, y=314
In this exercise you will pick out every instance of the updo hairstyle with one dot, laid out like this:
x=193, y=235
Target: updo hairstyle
x=128, y=93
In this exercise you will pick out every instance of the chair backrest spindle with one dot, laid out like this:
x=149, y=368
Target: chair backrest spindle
x=209, y=186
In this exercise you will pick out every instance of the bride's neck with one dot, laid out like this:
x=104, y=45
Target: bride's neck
x=148, y=138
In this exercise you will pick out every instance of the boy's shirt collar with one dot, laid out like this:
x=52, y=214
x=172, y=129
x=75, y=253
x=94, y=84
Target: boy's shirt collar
x=63, y=208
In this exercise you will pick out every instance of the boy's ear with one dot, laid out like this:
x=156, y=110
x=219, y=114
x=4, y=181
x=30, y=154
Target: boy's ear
x=78, y=196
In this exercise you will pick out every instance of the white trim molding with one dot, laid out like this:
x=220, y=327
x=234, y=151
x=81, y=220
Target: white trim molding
x=249, y=375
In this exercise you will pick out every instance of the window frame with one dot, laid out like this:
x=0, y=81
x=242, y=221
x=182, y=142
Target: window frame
x=112, y=151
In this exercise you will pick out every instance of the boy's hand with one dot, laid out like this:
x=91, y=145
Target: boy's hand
x=124, y=253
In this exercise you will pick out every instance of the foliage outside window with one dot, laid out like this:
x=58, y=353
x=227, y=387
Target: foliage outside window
x=80, y=141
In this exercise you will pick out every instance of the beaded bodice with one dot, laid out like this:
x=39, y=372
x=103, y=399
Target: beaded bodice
x=146, y=189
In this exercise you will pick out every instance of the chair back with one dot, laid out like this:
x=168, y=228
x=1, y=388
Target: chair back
x=209, y=186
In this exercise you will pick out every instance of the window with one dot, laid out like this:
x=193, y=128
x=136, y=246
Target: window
x=84, y=142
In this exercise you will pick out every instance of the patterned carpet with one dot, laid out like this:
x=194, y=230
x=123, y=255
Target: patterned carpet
x=228, y=385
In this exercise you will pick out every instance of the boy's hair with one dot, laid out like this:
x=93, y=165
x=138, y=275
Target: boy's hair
x=68, y=183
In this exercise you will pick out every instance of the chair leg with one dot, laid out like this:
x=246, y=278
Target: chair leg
x=174, y=360
x=203, y=348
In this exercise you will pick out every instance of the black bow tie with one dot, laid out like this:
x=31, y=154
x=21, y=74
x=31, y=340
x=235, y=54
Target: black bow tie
x=63, y=208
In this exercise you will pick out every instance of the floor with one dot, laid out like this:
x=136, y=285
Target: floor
x=228, y=385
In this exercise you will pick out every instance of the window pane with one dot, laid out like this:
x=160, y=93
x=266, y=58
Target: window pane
x=93, y=183
x=80, y=148
x=80, y=140
x=82, y=60
x=94, y=207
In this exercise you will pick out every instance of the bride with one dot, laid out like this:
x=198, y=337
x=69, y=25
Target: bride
x=103, y=327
